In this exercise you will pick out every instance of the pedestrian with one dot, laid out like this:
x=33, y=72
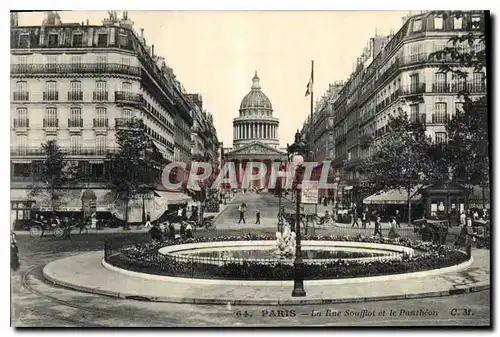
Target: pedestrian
x=392, y=231
x=378, y=229
x=469, y=237
x=171, y=230
x=476, y=215
x=462, y=218
x=397, y=218
x=182, y=231
x=242, y=210
x=363, y=220
x=257, y=218
x=189, y=231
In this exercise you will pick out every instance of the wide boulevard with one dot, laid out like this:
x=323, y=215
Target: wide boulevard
x=38, y=303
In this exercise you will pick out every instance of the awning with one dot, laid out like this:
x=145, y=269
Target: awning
x=163, y=150
x=394, y=197
x=347, y=188
x=174, y=198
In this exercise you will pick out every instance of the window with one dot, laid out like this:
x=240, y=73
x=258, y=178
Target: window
x=75, y=93
x=126, y=86
x=440, y=114
x=440, y=85
x=414, y=82
x=100, y=118
x=440, y=137
x=417, y=25
x=51, y=86
x=102, y=40
x=51, y=62
x=478, y=82
x=78, y=40
x=127, y=114
x=438, y=22
x=100, y=93
x=102, y=61
x=21, y=120
x=100, y=144
x=51, y=118
x=123, y=40
x=414, y=117
x=53, y=40
x=476, y=19
x=75, y=118
x=76, y=144
x=50, y=93
x=24, y=41
x=457, y=23
x=22, y=143
x=21, y=87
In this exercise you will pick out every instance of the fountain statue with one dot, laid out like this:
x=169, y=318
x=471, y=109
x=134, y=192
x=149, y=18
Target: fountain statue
x=285, y=242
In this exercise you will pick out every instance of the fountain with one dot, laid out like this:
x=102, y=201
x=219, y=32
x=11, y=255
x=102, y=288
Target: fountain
x=285, y=243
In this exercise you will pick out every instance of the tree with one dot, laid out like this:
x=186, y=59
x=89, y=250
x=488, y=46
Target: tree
x=132, y=167
x=54, y=173
x=468, y=143
x=402, y=160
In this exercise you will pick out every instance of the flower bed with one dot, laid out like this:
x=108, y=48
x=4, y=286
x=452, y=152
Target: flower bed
x=146, y=259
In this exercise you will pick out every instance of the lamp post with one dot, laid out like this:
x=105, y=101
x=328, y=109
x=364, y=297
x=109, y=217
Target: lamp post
x=280, y=213
x=296, y=150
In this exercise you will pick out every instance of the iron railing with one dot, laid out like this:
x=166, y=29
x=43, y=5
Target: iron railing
x=100, y=96
x=21, y=96
x=128, y=97
x=101, y=123
x=22, y=123
x=87, y=151
x=75, y=122
x=75, y=95
x=50, y=95
x=50, y=123
x=81, y=68
x=440, y=118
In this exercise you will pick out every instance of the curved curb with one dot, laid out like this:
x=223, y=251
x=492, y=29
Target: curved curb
x=463, y=289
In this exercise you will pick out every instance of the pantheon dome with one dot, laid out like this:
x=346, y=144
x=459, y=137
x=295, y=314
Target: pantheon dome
x=255, y=122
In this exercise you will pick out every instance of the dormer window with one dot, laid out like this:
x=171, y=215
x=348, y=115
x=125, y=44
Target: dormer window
x=438, y=22
x=417, y=25
x=475, y=22
x=78, y=40
x=102, y=40
x=53, y=40
x=24, y=41
x=457, y=23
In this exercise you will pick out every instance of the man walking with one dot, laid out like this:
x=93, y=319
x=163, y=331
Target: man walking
x=242, y=210
x=378, y=229
x=397, y=217
x=257, y=221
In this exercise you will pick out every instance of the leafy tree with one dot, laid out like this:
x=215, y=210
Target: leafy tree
x=132, y=168
x=468, y=140
x=55, y=172
x=402, y=160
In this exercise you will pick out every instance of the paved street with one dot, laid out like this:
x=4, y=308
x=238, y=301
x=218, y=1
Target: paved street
x=37, y=303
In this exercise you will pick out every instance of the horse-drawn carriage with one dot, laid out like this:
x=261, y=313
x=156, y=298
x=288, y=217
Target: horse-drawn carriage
x=432, y=230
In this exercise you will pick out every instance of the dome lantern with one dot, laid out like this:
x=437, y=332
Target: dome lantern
x=256, y=80
x=256, y=100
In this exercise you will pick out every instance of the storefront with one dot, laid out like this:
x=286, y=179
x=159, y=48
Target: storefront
x=445, y=200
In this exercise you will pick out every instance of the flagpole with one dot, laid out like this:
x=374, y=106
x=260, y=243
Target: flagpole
x=312, y=92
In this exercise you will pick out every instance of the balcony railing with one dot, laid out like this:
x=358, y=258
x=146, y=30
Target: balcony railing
x=419, y=118
x=22, y=123
x=478, y=88
x=75, y=123
x=50, y=96
x=21, y=96
x=100, y=123
x=122, y=122
x=82, y=151
x=128, y=97
x=81, y=68
x=50, y=123
x=100, y=96
x=75, y=95
x=440, y=118
x=414, y=59
x=413, y=89
x=441, y=88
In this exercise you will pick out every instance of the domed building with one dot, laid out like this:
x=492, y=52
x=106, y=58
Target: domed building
x=255, y=134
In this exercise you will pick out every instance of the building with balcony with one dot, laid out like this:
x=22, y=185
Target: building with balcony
x=78, y=83
x=395, y=74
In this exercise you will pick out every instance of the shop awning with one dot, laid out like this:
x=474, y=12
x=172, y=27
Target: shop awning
x=394, y=197
x=163, y=150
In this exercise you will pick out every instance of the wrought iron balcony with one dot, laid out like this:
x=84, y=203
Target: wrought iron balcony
x=75, y=95
x=413, y=89
x=21, y=96
x=440, y=118
x=478, y=88
x=100, y=123
x=50, y=96
x=75, y=122
x=100, y=96
x=418, y=118
x=22, y=123
x=441, y=88
x=50, y=123
x=79, y=68
x=128, y=97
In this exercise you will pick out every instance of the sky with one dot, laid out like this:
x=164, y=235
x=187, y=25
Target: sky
x=216, y=53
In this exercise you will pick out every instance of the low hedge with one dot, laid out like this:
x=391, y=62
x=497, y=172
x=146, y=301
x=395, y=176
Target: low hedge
x=145, y=258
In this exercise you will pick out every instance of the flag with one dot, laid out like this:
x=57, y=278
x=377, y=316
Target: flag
x=311, y=81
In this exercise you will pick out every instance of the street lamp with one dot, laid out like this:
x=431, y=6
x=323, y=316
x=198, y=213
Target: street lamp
x=296, y=150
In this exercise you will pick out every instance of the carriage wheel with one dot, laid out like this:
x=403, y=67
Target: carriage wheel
x=59, y=232
x=36, y=231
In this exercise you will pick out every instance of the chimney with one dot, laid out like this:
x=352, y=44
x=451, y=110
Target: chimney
x=153, y=51
x=142, y=32
x=87, y=22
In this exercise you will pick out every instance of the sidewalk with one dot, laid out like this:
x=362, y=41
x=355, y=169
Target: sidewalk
x=86, y=273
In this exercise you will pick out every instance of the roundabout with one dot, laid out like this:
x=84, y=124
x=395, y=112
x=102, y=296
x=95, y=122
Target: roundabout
x=103, y=274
